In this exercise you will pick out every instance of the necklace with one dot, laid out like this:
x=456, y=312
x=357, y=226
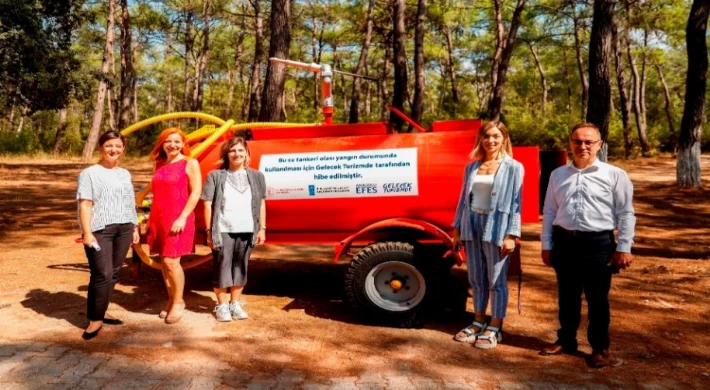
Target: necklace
x=238, y=180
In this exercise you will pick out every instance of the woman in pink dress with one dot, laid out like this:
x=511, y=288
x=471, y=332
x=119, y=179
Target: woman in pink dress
x=177, y=184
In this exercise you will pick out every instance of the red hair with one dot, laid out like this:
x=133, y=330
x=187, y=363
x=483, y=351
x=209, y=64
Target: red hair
x=158, y=152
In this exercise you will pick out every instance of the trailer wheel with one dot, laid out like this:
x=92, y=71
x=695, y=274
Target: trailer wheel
x=386, y=284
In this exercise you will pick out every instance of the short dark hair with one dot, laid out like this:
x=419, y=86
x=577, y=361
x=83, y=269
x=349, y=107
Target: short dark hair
x=584, y=126
x=109, y=135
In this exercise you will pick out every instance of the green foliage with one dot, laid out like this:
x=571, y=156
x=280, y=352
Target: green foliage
x=51, y=53
x=37, y=64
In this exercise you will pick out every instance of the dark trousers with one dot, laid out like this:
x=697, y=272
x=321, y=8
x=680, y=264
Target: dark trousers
x=114, y=241
x=232, y=260
x=581, y=265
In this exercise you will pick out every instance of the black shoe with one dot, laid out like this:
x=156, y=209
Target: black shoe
x=112, y=321
x=90, y=335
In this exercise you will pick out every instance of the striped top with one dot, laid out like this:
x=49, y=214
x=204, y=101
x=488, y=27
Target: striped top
x=111, y=190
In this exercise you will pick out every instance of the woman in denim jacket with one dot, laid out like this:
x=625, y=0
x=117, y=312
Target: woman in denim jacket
x=488, y=224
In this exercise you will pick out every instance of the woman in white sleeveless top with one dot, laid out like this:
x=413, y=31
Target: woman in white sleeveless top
x=488, y=224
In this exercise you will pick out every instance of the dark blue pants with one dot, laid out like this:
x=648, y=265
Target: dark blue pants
x=104, y=265
x=581, y=265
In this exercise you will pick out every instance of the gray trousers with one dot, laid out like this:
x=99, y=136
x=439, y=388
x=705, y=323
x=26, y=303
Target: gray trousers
x=231, y=260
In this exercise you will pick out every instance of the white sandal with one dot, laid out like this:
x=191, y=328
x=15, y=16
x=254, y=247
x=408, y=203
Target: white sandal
x=470, y=335
x=485, y=341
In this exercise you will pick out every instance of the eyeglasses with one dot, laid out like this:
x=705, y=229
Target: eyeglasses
x=585, y=143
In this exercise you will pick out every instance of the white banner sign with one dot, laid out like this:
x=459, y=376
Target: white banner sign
x=348, y=174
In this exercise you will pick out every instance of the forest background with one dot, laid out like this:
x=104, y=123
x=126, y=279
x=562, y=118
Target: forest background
x=70, y=69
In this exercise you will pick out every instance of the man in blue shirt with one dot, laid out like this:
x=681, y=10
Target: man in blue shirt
x=586, y=201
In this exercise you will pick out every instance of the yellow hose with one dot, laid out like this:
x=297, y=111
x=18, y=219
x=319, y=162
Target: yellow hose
x=174, y=115
x=197, y=151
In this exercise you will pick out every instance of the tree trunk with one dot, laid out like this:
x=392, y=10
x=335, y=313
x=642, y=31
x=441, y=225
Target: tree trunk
x=368, y=99
x=354, y=116
x=272, y=96
x=496, y=103
x=600, y=42
x=111, y=103
x=567, y=83
x=22, y=119
x=543, y=79
x=128, y=72
x=95, y=128
x=580, y=62
x=315, y=58
x=672, y=137
x=203, y=57
x=189, y=42
x=384, y=92
x=61, y=129
x=624, y=102
x=419, y=82
x=638, y=95
x=254, y=82
x=500, y=45
x=400, y=93
x=688, y=163
x=234, y=73
x=452, y=68
x=11, y=116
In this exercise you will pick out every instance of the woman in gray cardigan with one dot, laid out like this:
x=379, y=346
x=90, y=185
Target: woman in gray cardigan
x=235, y=218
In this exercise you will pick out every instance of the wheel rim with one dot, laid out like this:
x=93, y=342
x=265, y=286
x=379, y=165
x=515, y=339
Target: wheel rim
x=395, y=286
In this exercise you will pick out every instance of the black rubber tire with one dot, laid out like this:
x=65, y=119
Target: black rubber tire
x=356, y=276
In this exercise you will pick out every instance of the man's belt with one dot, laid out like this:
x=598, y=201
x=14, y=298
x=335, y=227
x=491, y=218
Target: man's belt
x=580, y=233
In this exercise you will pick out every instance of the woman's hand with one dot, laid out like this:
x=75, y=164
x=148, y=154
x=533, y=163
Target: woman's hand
x=178, y=226
x=261, y=237
x=136, y=236
x=508, y=247
x=88, y=240
x=457, y=240
x=210, y=243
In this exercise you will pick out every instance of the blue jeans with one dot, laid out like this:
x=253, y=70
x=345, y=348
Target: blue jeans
x=487, y=271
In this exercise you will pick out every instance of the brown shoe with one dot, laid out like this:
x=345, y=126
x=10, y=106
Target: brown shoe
x=602, y=359
x=556, y=349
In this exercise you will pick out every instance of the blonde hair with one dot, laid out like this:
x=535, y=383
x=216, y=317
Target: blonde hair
x=507, y=148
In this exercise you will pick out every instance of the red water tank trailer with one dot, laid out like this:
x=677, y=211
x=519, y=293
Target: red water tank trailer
x=385, y=200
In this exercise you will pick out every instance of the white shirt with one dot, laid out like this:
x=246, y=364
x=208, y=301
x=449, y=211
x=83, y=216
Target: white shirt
x=594, y=199
x=111, y=190
x=235, y=214
x=481, y=192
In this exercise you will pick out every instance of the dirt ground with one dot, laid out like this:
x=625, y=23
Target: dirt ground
x=300, y=319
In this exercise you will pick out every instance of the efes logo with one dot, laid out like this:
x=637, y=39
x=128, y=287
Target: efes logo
x=367, y=188
x=397, y=187
x=312, y=190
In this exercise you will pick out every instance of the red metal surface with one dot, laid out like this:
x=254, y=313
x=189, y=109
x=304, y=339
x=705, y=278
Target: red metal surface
x=456, y=125
x=441, y=158
x=329, y=131
x=407, y=223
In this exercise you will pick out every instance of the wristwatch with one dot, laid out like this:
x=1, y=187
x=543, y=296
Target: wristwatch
x=263, y=228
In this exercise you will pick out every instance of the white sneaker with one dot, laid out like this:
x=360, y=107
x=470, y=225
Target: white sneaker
x=238, y=312
x=221, y=312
